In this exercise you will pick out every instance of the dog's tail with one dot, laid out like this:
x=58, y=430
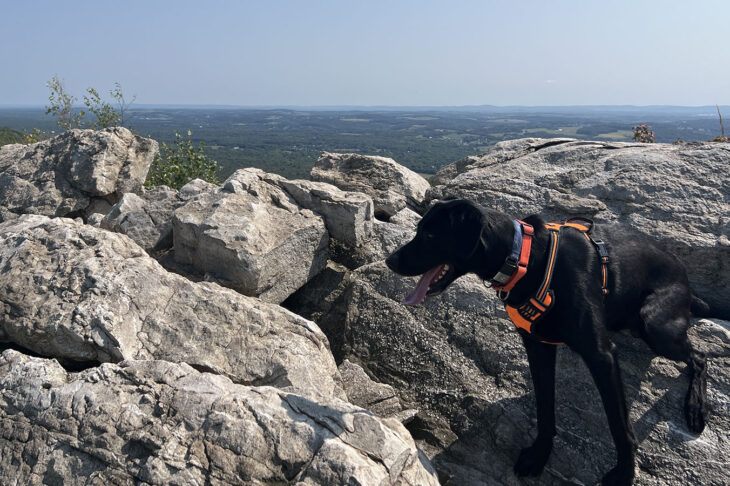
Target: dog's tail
x=699, y=307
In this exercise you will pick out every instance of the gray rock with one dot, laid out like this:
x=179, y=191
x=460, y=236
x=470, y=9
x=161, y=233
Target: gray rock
x=348, y=215
x=195, y=187
x=406, y=218
x=251, y=236
x=315, y=298
x=461, y=363
x=379, y=398
x=392, y=186
x=384, y=240
x=62, y=176
x=95, y=219
x=499, y=153
x=146, y=219
x=676, y=194
x=155, y=422
x=93, y=295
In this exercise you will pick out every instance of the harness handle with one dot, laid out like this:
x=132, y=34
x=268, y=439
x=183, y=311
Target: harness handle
x=588, y=223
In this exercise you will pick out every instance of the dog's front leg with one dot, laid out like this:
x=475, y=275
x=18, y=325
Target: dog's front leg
x=541, y=358
x=602, y=362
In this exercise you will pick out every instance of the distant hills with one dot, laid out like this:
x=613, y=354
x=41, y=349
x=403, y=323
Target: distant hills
x=288, y=140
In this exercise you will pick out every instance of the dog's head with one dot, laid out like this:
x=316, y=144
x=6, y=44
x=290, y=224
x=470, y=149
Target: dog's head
x=452, y=239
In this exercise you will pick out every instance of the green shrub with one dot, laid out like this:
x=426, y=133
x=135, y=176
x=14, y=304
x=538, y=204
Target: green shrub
x=180, y=163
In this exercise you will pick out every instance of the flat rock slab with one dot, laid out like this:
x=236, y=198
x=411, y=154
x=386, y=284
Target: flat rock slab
x=392, y=186
x=678, y=195
x=251, y=236
x=93, y=295
x=156, y=422
x=67, y=174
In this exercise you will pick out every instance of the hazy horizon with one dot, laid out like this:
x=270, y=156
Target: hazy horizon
x=463, y=53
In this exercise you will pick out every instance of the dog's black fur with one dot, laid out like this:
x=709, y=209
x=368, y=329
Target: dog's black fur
x=648, y=293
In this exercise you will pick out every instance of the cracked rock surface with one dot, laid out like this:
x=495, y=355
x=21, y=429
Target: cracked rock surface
x=93, y=295
x=678, y=195
x=155, y=422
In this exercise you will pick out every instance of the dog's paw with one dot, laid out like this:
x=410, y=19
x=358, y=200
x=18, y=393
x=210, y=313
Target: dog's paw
x=694, y=413
x=532, y=459
x=619, y=476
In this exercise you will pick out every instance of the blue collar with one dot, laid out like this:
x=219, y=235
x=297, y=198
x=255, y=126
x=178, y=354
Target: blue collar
x=510, y=264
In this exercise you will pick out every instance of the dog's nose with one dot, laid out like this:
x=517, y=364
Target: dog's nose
x=392, y=261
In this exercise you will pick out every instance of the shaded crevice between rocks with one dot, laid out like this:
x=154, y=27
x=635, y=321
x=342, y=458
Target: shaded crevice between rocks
x=551, y=143
x=70, y=365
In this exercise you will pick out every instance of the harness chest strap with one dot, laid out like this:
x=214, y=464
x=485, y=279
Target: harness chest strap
x=525, y=315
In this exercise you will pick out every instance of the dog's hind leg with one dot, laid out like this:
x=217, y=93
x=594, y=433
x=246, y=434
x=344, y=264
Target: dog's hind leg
x=665, y=314
x=541, y=358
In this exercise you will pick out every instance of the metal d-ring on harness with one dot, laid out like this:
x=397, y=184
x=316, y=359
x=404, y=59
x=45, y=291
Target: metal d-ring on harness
x=525, y=315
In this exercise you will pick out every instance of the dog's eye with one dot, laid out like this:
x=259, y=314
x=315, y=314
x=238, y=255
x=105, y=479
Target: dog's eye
x=429, y=236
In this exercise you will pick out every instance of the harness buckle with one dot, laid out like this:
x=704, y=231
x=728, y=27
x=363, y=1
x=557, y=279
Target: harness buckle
x=602, y=250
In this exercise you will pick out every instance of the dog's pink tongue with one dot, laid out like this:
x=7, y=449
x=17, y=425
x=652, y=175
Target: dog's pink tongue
x=419, y=293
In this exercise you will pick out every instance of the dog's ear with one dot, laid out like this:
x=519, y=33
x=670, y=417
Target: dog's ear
x=467, y=223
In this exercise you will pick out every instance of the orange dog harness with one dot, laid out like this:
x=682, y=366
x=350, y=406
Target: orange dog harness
x=525, y=315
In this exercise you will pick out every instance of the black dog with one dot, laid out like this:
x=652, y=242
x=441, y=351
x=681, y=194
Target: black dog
x=646, y=290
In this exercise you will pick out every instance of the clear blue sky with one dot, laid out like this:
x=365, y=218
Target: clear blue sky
x=371, y=52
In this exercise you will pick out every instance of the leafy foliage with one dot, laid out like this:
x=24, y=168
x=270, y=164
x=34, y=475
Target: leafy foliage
x=105, y=114
x=180, y=163
x=642, y=134
x=35, y=135
x=61, y=107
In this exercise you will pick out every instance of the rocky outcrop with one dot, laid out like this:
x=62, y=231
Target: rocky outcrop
x=250, y=235
x=74, y=174
x=156, y=422
x=147, y=219
x=677, y=194
x=96, y=296
x=391, y=186
x=193, y=383
x=460, y=362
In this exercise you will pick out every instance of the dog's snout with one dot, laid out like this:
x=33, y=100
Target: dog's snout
x=392, y=261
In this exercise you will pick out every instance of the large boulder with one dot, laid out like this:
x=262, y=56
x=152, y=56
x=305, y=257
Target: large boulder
x=677, y=194
x=250, y=235
x=69, y=290
x=392, y=186
x=155, y=422
x=348, y=215
x=74, y=174
x=459, y=360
